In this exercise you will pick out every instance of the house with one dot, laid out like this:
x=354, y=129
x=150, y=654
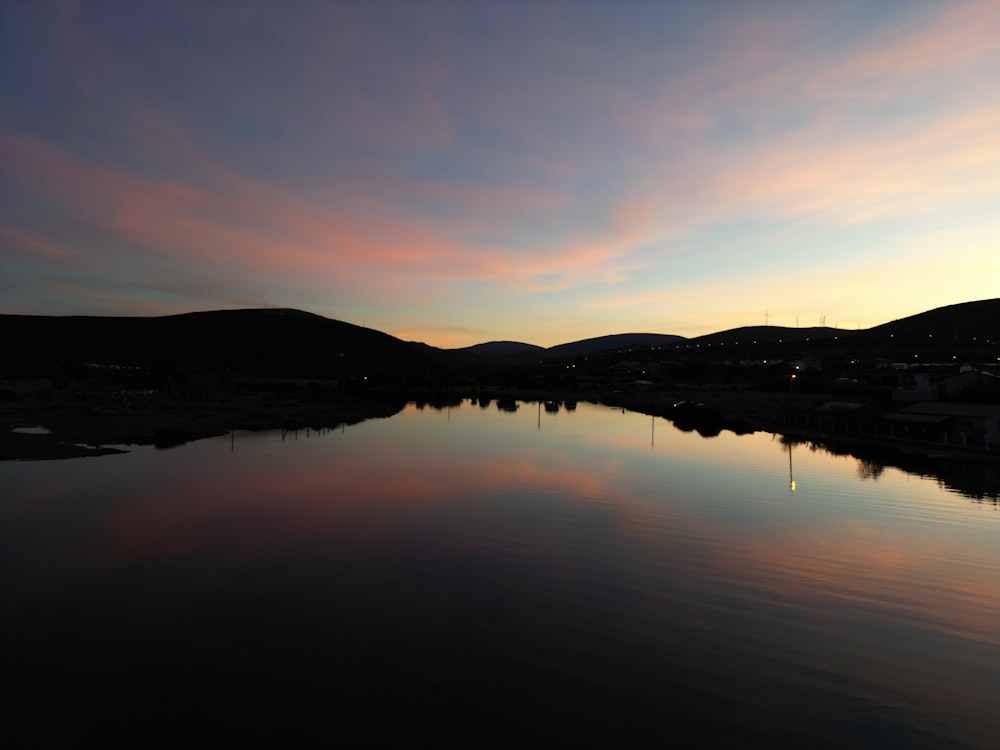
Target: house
x=640, y=385
x=807, y=365
x=958, y=424
x=913, y=386
x=966, y=379
x=624, y=369
x=934, y=383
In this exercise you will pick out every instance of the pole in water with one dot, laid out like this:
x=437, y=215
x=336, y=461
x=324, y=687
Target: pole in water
x=791, y=479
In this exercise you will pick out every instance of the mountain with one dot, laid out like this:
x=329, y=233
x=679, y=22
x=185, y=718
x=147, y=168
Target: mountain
x=766, y=335
x=613, y=342
x=596, y=345
x=965, y=321
x=944, y=333
x=505, y=349
x=257, y=340
x=288, y=341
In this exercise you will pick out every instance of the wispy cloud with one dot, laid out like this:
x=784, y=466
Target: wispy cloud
x=500, y=164
x=16, y=239
x=243, y=225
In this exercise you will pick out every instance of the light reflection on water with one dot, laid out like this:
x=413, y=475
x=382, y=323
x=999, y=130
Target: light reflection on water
x=580, y=572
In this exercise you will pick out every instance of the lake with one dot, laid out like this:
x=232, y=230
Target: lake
x=481, y=575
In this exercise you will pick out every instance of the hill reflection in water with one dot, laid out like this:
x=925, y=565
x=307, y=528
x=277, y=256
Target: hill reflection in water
x=546, y=573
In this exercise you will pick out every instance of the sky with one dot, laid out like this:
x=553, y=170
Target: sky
x=534, y=170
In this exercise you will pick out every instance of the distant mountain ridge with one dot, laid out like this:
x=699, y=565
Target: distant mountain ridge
x=505, y=349
x=285, y=339
x=580, y=348
x=979, y=318
x=975, y=320
x=965, y=321
x=768, y=335
x=613, y=341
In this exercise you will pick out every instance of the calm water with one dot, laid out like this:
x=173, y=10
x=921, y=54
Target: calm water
x=484, y=575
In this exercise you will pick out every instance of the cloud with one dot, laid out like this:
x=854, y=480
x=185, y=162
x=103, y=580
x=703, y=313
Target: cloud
x=19, y=239
x=233, y=224
x=372, y=157
x=770, y=129
x=948, y=49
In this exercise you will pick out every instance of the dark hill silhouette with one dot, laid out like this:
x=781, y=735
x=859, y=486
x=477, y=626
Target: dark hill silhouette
x=964, y=320
x=766, y=335
x=288, y=341
x=615, y=341
x=596, y=345
x=506, y=349
x=270, y=340
x=967, y=323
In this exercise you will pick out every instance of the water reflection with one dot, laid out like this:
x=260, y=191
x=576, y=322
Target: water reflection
x=507, y=404
x=869, y=469
x=973, y=476
x=791, y=474
x=584, y=576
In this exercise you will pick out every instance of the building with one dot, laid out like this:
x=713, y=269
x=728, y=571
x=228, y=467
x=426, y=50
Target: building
x=971, y=425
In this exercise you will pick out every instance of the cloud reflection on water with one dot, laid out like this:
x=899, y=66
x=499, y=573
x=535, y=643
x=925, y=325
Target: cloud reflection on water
x=853, y=579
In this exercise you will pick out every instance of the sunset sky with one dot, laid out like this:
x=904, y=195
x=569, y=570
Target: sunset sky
x=542, y=171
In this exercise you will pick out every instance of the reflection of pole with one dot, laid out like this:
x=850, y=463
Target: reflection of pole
x=791, y=479
x=539, y=415
x=652, y=430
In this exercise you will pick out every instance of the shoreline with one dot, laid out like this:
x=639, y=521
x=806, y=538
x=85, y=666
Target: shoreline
x=80, y=429
x=972, y=472
x=102, y=427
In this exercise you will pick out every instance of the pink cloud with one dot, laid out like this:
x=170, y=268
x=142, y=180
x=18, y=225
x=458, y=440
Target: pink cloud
x=249, y=226
x=939, y=163
x=838, y=162
x=159, y=525
x=825, y=173
x=756, y=122
x=948, y=46
x=20, y=238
